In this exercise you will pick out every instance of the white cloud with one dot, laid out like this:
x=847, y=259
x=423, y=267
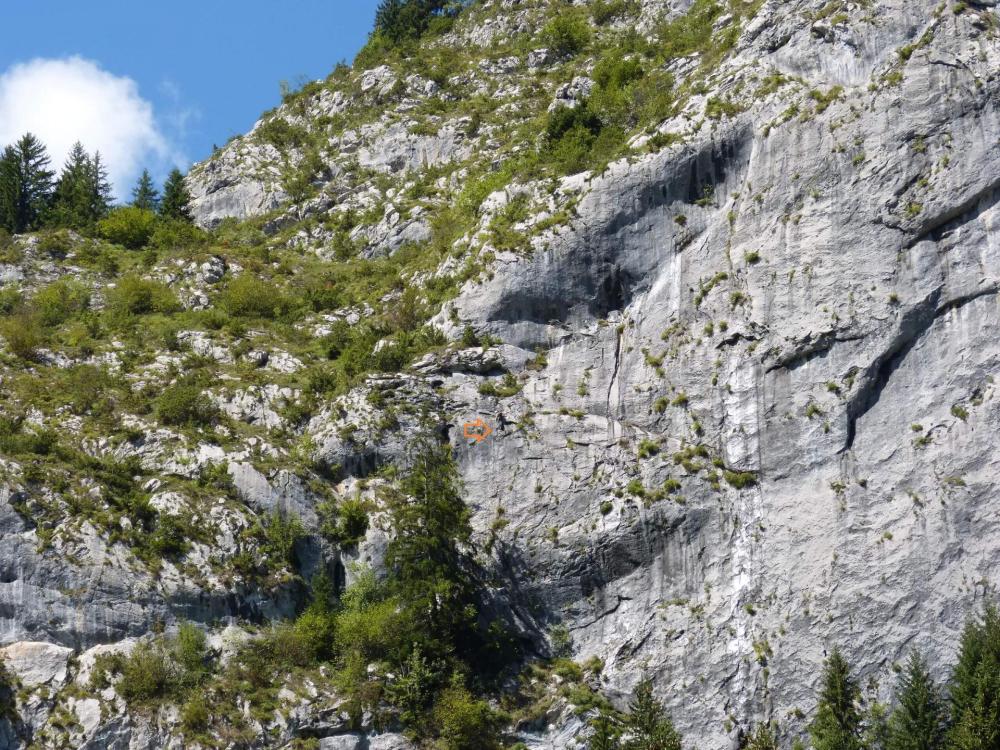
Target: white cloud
x=72, y=99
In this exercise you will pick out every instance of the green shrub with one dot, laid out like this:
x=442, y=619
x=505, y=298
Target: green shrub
x=614, y=72
x=55, y=244
x=567, y=34
x=128, y=226
x=311, y=638
x=345, y=523
x=169, y=538
x=24, y=336
x=740, y=479
x=397, y=21
x=648, y=448
x=10, y=300
x=57, y=302
x=191, y=652
x=371, y=624
x=133, y=295
x=174, y=234
x=249, y=297
x=184, y=404
x=147, y=675
x=194, y=714
x=282, y=134
x=603, y=11
x=7, y=695
x=465, y=723
x=282, y=531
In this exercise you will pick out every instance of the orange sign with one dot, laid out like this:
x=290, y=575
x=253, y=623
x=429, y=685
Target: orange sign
x=477, y=430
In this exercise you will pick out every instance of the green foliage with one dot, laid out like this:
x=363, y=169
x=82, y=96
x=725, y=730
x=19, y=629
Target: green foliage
x=688, y=33
x=716, y=108
x=159, y=671
x=920, y=719
x=282, y=532
x=975, y=689
x=648, y=722
x=413, y=691
x=128, y=226
x=134, y=295
x=465, y=723
x=605, y=735
x=249, y=297
x=432, y=526
x=194, y=714
x=625, y=96
x=282, y=134
x=7, y=695
x=397, y=21
x=837, y=724
x=567, y=34
x=25, y=184
x=176, y=200
x=23, y=334
x=740, y=479
x=191, y=652
x=507, y=387
x=184, y=404
x=59, y=301
x=603, y=11
x=82, y=194
x=145, y=194
x=762, y=738
x=345, y=523
x=147, y=675
x=177, y=234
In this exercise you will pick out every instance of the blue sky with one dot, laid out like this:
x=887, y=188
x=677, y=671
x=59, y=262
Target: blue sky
x=203, y=71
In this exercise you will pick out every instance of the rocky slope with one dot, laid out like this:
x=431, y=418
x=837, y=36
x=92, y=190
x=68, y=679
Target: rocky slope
x=740, y=372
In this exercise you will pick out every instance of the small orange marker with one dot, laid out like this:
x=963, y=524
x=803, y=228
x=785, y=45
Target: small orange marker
x=477, y=430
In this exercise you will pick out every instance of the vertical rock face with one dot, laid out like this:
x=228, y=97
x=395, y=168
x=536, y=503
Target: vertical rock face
x=763, y=421
x=824, y=322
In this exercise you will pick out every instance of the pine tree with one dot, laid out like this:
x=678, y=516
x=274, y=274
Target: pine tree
x=70, y=204
x=650, y=727
x=25, y=184
x=837, y=725
x=919, y=721
x=82, y=193
x=605, y=737
x=399, y=20
x=432, y=527
x=145, y=195
x=176, y=198
x=762, y=738
x=975, y=689
x=876, y=726
x=100, y=188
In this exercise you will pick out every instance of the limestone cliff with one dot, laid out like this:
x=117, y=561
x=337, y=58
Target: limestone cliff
x=740, y=373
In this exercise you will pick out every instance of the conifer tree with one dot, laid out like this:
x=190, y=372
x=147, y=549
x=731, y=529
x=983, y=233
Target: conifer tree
x=837, y=725
x=650, y=727
x=176, y=200
x=145, y=195
x=432, y=525
x=918, y=722
x=605, y=737
x=975, y=689
x=100, y=188
x=82, y=193
x=25, y=184
x=762, y=738
x=398, y=20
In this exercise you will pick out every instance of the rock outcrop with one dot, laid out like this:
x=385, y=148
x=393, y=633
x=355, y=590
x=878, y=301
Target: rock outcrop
x=741, y=381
